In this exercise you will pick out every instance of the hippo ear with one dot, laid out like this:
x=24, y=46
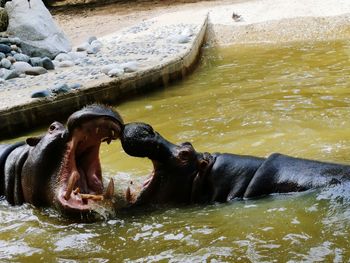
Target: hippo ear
x=33, y=141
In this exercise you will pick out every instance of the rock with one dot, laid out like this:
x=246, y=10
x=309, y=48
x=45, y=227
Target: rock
x=35, y=71
x=109, y=67
x=60, y=88
x=12, y=59
x=5, y=48
x=36, y=61
x=91, y=39
x=116, y=72
x=75, y=86
x=96, y=43
x=21, y=57
x=83, y=47
x=63, y=57
x=4, y=20
x=93, y=50
x=10, y=41
x=66, y=64
x=2, y=81
x=21, y=66
x=183, y=39
x=5, y=63
x=39, y=34
x=2, y=55
x=187, y=32
x=129, y=67
x=40, y=94
x=9, y=74
x=47, y=63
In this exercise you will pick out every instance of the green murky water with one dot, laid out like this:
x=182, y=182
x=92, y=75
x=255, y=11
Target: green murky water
x=291, y=98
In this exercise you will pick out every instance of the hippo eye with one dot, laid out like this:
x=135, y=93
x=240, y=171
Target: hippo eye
x=184, y=154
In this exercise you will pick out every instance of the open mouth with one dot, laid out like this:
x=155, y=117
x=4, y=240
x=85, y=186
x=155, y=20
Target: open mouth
x=80, y=178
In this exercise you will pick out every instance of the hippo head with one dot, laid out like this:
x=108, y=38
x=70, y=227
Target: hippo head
x=176, y=167
x=63, y=167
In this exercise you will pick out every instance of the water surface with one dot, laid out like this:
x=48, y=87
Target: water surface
x=290, y=98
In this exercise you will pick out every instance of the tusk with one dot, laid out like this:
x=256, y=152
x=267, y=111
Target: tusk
x=128, y=195
x=71, y=182
x=92, y=197
x=110, y=190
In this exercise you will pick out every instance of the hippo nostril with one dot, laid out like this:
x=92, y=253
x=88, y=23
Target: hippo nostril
x=52, y=127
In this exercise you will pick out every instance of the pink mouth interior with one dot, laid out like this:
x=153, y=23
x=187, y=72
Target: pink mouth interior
x=80, y=180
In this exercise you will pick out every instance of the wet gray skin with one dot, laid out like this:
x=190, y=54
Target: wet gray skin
x=182, y=175
x=61, y=168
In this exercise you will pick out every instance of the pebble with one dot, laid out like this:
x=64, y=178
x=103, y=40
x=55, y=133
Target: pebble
x=21, y=57
x=75, y=86
x=12, y=59
x=40, y=94
x=5, y=63
x=2, y=55
x=60, y=88
x=83, y=47
x=36, y=61
x=183, y=39
x=62, y=57
x=96, y=43
x=9, y=74
x=77, y=55
x=47, y=63
x=107, y=68
x=65, y=64
x=91, y=39
x=129, y=67
x=35, y=71
x=93, y=50
x=116, y=72
x=5, y=48
x=21, y=66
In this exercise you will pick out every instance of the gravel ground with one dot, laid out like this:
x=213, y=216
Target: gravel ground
x=124, y=32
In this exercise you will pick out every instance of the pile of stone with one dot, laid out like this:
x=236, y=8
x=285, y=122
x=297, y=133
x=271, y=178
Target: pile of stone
x=14, y=63
x=31, y=40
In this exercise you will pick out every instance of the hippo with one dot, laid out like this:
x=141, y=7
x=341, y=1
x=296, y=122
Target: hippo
x=61, y=169
x=181, y=175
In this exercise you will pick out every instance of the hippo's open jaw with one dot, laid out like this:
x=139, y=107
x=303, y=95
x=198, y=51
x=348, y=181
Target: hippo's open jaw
x=80, y=178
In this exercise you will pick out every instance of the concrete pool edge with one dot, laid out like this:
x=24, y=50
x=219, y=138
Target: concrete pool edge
x=22, y=117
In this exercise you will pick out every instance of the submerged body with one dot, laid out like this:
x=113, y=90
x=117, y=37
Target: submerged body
x=182, y=175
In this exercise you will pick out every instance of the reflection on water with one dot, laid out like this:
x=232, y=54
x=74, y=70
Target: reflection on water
x=256, y=100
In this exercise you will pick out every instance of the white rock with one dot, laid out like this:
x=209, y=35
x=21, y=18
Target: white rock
x=116, y=72
x=83, y=47
x=39, y=34
x=187, y=32
x=77, y=55
x=96, y=43
x=93, y=50
x=66, y=64
x=63, y=57
x=5, y=63
x=21, y=66
x=180, y=39
x=130, y=66
x=109, y=67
